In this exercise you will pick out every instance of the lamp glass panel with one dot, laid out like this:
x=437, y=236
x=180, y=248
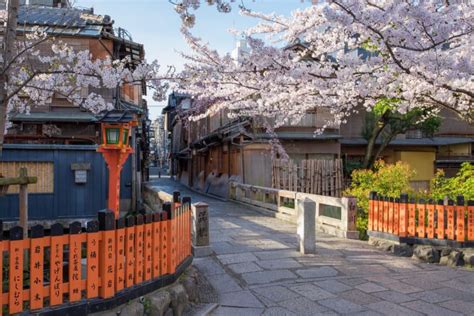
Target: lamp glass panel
x=112, y=134
x=125, y=136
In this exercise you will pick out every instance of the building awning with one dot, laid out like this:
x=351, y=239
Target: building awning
x=43, y=117
x=299, y=136
x=435, y=141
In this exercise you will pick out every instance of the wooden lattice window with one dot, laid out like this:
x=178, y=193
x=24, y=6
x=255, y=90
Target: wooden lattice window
x=44, y=171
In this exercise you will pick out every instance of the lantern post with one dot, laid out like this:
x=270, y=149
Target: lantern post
x=116, y=128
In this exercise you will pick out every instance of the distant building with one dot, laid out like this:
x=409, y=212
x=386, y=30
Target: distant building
x=161, y=142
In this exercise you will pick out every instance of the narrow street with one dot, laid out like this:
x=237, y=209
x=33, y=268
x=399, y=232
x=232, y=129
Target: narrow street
x=256, y=270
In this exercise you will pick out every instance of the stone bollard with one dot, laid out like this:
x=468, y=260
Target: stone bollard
x=200, y=230
x=306, y=228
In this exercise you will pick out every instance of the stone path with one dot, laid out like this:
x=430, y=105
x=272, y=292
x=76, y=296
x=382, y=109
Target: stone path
x=256, y=271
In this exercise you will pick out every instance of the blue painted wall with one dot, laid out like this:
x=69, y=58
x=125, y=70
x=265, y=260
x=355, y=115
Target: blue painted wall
x=69, y=200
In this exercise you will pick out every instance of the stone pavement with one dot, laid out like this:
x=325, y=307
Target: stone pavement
x=256, y=271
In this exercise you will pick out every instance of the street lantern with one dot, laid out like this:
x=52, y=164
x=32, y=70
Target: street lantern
x=116, y=127
x=115, y=135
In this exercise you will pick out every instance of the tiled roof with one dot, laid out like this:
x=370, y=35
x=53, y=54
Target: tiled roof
x=69, y=116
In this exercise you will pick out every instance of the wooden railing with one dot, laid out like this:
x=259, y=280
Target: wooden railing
x=403, y=217
x=106, y=259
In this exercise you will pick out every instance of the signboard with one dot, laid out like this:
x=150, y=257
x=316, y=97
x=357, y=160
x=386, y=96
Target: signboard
x=80, y=176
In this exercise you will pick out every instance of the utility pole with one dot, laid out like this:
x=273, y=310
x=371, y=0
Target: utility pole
x=7, y=51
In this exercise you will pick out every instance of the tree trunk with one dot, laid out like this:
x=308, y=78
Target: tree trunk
x=371, y=145
x=8, y=51
x=382, y=146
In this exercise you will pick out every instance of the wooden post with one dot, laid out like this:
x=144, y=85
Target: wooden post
x=440, y=229
x=23, y=202
x=460, y=219
x=92, y=284
x=242, y=163
x=403, y=216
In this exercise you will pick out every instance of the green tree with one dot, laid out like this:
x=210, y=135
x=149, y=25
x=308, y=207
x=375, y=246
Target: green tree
x=384, y=123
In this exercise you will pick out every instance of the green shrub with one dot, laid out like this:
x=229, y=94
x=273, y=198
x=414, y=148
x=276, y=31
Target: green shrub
x=461, y=184
x=386, y=179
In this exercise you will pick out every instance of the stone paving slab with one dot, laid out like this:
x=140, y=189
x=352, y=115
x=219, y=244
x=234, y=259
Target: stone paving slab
x=265, y=277
x=287, y=263
x=303, y=306
x=240, y=299
x=256, y=270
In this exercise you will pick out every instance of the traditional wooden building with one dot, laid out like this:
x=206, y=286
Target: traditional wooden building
x=59, y=124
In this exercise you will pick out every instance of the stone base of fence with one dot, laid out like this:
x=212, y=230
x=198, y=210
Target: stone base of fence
x=420, y=241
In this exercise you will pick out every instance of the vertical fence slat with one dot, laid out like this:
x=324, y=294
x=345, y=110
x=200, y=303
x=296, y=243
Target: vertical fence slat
x=1, y=267
x=421, y=218
x=396, y=216
x=129, y=252
x=440, y=230
x=148, y=246
x=187, y=227
x=93, y=237
x=75, y=262
x=390, y=215
x=450, y=218
x=375, y=220
x=16, y=270
x=156, y=245
x=36, y=267
x=403, y=227
x=164, y=241
x=107, y=254
x=411, y=218
x=430, y=231
x=381, y=210
x=56, y=265
x=372, y=206
x=470, y=220
x=168, y=208
x=460, y=218
x=385, y=214
x=139, y=249
x=120, y=255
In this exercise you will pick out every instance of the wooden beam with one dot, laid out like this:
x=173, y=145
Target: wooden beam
x=21, y=180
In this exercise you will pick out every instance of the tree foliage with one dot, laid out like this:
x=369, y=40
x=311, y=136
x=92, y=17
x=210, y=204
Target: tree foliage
x=461, y=184
x=341, y=55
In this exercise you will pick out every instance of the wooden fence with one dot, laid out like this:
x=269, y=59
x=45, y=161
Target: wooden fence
x=422, y=219
x=103, y=260
x=322, y=177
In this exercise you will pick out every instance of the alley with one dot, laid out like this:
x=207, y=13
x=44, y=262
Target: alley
x=256, y=271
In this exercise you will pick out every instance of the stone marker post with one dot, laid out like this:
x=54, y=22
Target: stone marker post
x=306, y=228
x=200, y=230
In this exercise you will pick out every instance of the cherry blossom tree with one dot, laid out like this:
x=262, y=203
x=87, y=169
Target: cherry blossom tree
x=344, y=55
x=30, y=76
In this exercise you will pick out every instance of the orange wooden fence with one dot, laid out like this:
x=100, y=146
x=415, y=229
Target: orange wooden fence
x=405, y=217
x=98, y=261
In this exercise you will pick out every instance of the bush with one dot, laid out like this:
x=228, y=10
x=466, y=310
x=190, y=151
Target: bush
x=461, y=184
x=386, y=179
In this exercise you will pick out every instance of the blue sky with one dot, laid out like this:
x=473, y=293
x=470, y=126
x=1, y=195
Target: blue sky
x=155, y=24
